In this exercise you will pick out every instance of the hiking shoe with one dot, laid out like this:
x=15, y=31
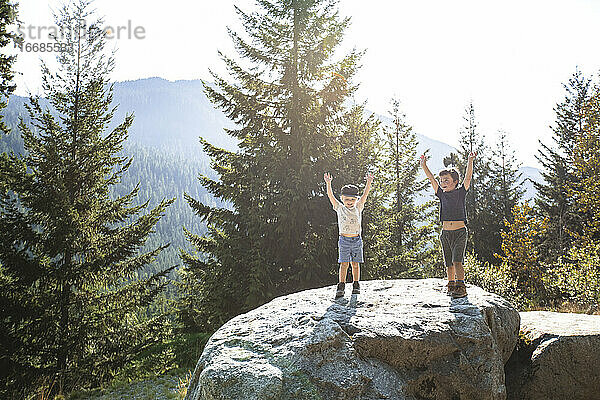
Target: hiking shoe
x=460, y=290
x=355, y=288
x=450, y=287
x=340, y=290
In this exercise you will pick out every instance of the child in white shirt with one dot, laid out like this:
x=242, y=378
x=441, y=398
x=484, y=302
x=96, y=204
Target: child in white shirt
x=350, y=245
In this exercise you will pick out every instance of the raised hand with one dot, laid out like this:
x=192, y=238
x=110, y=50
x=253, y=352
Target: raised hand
x=327, y=177
x=472, y=155
x=369, y=177
x=423, y=160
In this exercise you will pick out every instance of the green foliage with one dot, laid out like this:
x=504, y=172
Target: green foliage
x=435, y=269
x=278, y=234
x=159, y=174
x=570, y=284
x=521, y=256
x=188, y=348
x=553, y=200
x=72, y=310
x=577, y=275
x=402, y=231
x=520, y=276
x=497, y=279
x=550, y=255
x=541, y=267
x=170, y=386
x=583, y=189
x=577, y=281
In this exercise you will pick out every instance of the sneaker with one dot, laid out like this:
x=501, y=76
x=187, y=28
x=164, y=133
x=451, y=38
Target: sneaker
x=460, y=290
x=355, y=288
x=450, y=287
x=340, y=290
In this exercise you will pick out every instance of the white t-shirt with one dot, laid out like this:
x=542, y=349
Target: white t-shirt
x=349, y=219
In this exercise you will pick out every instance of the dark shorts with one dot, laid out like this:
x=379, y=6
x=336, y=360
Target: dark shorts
x=454, y=244
x=350, y=249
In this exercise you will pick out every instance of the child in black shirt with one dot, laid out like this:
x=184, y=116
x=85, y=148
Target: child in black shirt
x=453, y=216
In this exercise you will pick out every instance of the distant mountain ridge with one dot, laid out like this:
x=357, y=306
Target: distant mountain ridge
x=172, y=115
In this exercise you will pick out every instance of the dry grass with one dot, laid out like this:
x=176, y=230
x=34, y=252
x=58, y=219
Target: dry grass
x=183, y=384
x=45, y=391
x=567, y=307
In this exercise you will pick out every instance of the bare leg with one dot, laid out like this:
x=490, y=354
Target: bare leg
x=460, y=271
x=343, y=271
x=451, y=271
x=355, y=271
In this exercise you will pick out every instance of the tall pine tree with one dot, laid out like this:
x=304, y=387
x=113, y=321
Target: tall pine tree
x=553, y=200
x=504, y=189
x=72, y=311
x=278, y=236
x=404, y=227
x=584, y=189
x=579, y=277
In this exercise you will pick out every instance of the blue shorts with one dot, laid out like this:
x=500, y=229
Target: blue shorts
x=350, y=249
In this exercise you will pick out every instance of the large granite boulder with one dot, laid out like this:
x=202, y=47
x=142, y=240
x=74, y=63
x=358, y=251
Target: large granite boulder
x=399, y=339
x=558, y=357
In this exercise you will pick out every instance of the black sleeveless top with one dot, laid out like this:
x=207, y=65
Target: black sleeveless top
x=452, y=204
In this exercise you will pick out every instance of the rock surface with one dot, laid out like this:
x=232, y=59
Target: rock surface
x=398, y=339
x=558, y=357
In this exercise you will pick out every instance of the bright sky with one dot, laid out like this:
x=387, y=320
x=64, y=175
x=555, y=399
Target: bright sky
x=509, y=57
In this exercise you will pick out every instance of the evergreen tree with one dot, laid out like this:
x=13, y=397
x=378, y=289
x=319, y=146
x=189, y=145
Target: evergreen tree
x=479, y=197
x=584, y=188
x=278, y=234
x=404, y=228
x=553, y=200
x=576, y=277
x=8, y=15
x=72, y=312
x=160, y=173
x=504, y=188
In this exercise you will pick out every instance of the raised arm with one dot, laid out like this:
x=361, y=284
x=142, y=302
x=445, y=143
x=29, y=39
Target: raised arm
x=327, y=178
x=363, y=198
x=432, y=180
x=469, y=173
